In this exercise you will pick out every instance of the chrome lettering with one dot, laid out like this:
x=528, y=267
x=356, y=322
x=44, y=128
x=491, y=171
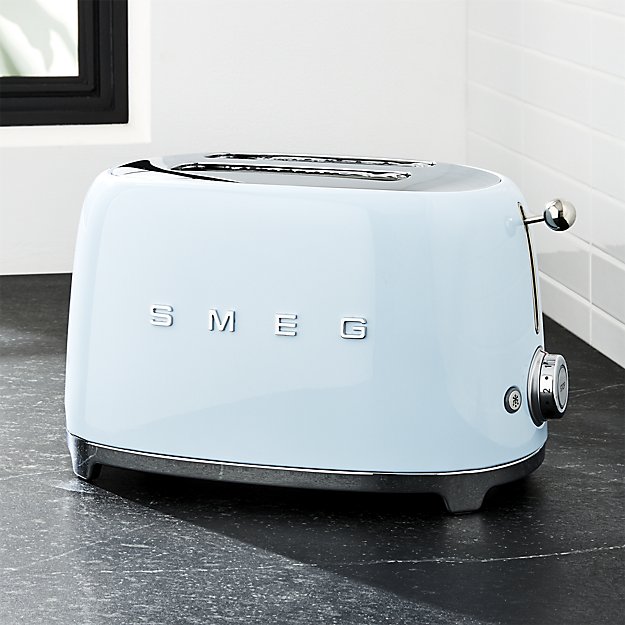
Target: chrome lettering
x=285, y=324
x=357, y=328
x=284, y=320
x=213, y=318
x=160, y=315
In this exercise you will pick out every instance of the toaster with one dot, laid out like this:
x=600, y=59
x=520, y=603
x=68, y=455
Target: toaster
x=361, y=324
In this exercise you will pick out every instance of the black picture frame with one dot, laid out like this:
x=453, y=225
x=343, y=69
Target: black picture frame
x=98, y=95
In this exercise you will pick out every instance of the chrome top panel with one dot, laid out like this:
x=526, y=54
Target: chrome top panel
x=318, y=171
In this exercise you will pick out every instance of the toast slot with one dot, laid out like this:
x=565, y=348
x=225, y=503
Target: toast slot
x=358, y=174
x=310, y=158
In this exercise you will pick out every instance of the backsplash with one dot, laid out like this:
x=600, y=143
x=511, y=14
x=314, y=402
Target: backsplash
x=546, y=106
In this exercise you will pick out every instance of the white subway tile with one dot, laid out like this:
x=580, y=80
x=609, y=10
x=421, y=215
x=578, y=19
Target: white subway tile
x=608, y=225
x=495, y=64
x=564, y=258
x=560, y=87
x=608, y=286
x=608, y=336
x=565, y=307
x=497, y=18
x=482, y=152
x=616, y=7
x=495, y=116
x=608, y=165
x=608, y=104
x=559, y=29
x=553, y=140
x=608, y=50
x=546, y=107
x=543, y=184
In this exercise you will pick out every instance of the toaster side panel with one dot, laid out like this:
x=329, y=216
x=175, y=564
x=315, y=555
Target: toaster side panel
x=297, y=327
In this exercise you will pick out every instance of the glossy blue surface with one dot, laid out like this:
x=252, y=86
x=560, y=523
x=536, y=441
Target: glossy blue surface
x=443, y=279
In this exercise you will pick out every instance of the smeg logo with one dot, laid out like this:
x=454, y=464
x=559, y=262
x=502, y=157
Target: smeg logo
x=284, y=324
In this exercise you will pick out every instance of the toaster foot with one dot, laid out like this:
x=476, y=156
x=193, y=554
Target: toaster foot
x=83, y=458
x=464, y=503
x=466, y=499
x=462, y=491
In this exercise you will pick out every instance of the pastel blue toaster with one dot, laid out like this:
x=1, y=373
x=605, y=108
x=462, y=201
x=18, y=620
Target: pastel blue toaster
x=320, y=322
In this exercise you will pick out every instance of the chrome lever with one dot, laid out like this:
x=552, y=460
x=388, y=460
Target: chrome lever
x=559, y=215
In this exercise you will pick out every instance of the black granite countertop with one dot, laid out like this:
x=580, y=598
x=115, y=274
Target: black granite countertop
x=138, y=548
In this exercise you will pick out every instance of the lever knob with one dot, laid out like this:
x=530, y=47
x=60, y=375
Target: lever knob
x=560, y=214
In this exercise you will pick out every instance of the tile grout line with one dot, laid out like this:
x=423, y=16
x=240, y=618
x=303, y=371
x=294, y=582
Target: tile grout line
x=547, y=112
x=543, y=164
x=560, y=59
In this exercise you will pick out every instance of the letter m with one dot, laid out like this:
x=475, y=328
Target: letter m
x=215, y=320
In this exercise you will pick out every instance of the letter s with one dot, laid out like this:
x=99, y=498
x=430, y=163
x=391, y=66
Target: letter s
x=160, y=315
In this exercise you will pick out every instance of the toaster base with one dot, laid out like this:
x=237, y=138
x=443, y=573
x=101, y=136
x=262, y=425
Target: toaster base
x=462, y=491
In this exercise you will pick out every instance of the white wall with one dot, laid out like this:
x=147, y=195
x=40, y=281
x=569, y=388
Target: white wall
x=339, y=77
x=45, y=170
x=544, y=103
x=546, y=106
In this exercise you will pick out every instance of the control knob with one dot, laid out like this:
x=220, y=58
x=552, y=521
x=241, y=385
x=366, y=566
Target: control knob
x=548, y=386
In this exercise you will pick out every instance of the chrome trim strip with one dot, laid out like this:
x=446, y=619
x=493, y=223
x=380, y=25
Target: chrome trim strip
x=463, y=491
x=533, y=380
x=533, y=268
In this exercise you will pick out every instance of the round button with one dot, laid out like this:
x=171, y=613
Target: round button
x=512, y=399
